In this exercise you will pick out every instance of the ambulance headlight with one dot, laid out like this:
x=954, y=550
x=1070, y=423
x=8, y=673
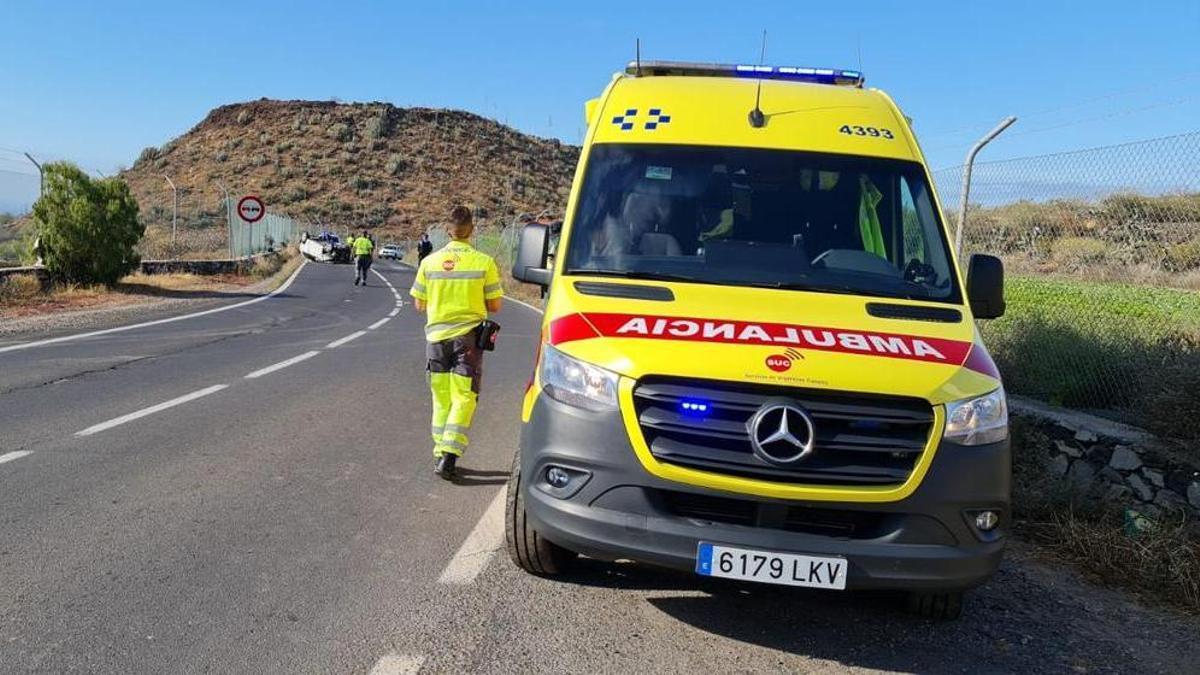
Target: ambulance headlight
x=577, y=383
x=975, y=421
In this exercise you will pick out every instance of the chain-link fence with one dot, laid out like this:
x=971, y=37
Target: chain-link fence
x=273, y=232
x=1102, y=254
x=207, y=228
x=498, y=241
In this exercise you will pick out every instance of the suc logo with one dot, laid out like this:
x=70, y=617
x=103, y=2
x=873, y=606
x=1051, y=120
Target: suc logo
x=779, y=363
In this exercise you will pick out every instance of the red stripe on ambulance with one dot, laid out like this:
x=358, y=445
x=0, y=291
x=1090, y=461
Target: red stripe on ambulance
x=584, y=326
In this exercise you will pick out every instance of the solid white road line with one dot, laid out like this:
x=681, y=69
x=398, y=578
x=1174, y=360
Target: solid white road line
x=15, y=454
x=395, y=664
x=539, y=310
x=341, y=341
x=151, y=410
x=282, y=364
x=157, y=322
x=379, y=323
x=476, y=551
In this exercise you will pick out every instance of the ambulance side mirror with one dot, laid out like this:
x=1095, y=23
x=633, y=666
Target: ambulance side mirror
x=532, y=253
x=985, y=286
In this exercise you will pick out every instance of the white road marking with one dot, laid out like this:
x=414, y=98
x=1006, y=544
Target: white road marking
x=379, y=323
x=117, y=421
x=15, y=454
x=476, y=551
x=539, y=310
x=394, y=312
x=282, y=364
x=341, y=341
x=395, y=664
x=157, y=322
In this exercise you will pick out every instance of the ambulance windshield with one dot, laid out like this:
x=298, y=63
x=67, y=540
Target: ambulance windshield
x=755, y=217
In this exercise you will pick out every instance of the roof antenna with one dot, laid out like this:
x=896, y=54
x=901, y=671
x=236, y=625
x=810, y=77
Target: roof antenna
x=757, y=119
x=637, y=55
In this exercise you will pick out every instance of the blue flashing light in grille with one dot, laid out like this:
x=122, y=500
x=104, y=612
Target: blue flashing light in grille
x=694, y=408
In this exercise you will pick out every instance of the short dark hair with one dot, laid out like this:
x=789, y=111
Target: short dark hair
x=460, y=215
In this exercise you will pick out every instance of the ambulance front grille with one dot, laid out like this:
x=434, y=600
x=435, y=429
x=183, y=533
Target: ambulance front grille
x=861, y=439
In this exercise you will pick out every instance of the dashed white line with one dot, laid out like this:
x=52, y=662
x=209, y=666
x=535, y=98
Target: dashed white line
x=117, y=421
x=394, y=312
x=282, y=364
x=341, y=341
x=118, y=329
x=15, y=454
x=379, y=323
x=476, y=551
x=395, y=664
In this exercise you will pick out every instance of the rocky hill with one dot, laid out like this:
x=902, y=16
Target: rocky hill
x=373, y=165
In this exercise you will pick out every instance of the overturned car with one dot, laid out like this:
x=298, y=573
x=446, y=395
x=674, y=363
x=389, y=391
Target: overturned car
x=325, y=247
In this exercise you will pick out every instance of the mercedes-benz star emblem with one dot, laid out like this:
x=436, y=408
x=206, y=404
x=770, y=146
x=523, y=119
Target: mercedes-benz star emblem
x=781, y=432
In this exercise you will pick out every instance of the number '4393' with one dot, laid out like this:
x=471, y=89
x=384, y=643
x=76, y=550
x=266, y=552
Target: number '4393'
x=856, y=130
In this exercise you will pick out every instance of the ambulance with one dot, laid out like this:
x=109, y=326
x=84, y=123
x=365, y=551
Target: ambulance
x=759, y=358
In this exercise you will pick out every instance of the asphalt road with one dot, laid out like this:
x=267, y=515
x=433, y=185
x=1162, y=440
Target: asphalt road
x=251, y=491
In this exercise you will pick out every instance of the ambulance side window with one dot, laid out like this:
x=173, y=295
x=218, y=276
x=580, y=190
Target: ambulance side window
x=914, y=234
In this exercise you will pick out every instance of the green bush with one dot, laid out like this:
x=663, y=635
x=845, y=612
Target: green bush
x=88, y=228
x=1182, y=257
x=395, y=165
x=341, y=132
x=1076, y=252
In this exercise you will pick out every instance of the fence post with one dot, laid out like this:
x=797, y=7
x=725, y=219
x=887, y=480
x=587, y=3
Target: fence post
x=966, y=182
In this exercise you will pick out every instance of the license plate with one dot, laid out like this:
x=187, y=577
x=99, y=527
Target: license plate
x=770, y=567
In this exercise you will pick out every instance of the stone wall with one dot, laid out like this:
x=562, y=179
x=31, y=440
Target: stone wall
x=1118, y=464
x=232, y=266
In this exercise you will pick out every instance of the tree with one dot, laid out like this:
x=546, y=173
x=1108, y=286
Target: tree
x=88, y=228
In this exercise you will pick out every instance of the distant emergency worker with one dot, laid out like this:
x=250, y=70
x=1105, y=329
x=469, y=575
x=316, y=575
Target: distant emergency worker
x=362, y=249
x=424, y=247
x=457, y=286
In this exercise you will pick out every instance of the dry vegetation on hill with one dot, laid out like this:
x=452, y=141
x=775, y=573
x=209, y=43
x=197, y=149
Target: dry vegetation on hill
x=363, y=165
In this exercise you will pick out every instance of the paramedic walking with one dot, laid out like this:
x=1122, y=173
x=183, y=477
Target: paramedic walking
x=362, y=249
x=457, y=286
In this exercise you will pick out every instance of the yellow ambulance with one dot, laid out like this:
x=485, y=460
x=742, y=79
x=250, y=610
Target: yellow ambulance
x=759, y=358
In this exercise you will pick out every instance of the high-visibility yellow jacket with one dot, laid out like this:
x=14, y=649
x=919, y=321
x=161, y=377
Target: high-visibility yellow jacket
x=363, y=246
x=454, y=282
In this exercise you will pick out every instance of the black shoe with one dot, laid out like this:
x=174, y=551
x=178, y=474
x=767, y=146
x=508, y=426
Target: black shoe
x=355, y=281
x=445, y=465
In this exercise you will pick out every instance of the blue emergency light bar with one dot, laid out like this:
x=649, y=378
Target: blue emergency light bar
x=834, y=76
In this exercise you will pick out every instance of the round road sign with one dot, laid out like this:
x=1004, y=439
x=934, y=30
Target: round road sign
x=251, y=209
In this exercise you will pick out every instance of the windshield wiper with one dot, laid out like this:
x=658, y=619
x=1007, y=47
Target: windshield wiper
x=816, y=288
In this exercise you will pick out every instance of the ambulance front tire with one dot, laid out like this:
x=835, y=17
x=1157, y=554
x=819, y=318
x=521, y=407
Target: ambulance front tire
x=528, y=549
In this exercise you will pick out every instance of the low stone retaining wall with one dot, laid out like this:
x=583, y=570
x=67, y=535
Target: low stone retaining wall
x=1113, y=462
x=231, y=266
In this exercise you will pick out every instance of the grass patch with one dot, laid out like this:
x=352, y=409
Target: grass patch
x=1131, y=350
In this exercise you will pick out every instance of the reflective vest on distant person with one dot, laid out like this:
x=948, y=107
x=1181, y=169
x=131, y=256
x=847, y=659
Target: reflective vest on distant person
x=363, y=246
x=454, y=282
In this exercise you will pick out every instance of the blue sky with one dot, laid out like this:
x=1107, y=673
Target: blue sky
x=96, y=82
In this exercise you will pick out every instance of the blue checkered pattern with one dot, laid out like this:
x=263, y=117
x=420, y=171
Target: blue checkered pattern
x=629, y=120
x=656, y=118
x=626, y=121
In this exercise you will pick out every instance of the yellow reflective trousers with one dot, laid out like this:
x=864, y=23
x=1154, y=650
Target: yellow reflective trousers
x=455, y=370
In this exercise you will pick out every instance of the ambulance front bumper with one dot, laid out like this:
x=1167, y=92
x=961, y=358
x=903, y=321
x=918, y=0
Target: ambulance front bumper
x=612, y=508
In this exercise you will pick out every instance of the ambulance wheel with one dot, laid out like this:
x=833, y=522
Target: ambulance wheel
x=936, y=606
x=528, y=549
